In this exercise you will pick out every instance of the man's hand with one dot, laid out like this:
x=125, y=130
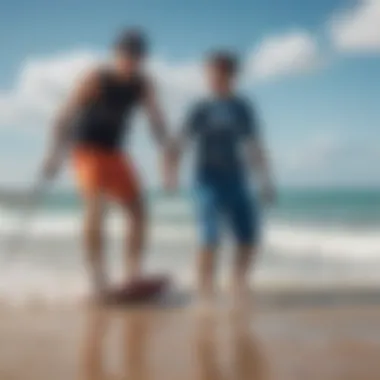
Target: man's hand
x=170, y=183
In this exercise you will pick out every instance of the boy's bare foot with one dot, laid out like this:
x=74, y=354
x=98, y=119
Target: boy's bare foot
x=99, y=288
x=241, y=296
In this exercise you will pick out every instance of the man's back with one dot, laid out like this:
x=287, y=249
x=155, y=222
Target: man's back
x=103, y=122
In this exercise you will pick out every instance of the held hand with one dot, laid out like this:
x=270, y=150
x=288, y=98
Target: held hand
x=170, y=163
x=170, y=183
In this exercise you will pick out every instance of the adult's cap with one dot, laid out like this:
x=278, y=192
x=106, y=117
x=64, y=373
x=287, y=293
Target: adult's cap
x=132, y=41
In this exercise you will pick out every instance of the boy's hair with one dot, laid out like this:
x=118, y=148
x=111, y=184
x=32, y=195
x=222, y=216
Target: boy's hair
x=225, y=61
x=132, y=41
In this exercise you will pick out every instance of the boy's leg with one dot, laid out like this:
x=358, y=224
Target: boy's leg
x=209, y=226
x=206, y=272
x=242, y=265
x=244, y=221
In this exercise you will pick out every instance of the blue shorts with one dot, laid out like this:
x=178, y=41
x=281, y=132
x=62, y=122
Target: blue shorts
x=230, y=202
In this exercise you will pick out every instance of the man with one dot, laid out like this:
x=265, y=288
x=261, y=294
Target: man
x=95, y=120
x=220, y=125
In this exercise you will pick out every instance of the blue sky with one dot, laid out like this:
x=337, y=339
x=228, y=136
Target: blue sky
x=313, y=69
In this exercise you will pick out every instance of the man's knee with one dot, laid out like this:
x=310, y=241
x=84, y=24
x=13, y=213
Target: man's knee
x=94, y=213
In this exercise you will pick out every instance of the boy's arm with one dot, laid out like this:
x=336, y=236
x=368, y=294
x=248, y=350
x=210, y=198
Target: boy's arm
x=258, y=155
x=260, y=162
x=86, y=91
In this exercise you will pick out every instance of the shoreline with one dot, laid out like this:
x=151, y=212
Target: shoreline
x=280, y=294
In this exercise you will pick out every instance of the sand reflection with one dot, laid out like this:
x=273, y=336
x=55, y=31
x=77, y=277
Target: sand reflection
x=145, y=345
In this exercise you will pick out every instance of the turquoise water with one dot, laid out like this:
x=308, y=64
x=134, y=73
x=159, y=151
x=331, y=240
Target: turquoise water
x=354, y=207
x=334, y=206
x=310, y=235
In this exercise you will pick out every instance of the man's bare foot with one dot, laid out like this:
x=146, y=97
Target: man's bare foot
x=205, y=302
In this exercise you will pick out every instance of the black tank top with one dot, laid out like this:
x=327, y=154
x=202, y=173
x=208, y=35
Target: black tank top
x=104, y=122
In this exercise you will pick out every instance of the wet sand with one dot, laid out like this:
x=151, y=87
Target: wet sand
x=339, y=341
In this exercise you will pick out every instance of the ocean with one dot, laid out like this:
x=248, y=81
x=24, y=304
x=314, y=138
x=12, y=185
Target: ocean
x=317, y=237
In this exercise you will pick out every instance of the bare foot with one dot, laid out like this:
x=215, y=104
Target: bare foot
x=241, y=297
x=205, y=303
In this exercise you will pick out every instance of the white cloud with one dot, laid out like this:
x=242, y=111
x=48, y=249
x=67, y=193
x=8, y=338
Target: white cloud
x=178, y=84
x=285, y=54
x=358, y=28
x=315, y=153
x=328, y=157
x=41, y=85
x=43, y=82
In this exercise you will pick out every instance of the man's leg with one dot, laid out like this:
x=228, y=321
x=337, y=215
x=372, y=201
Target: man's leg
x=124, y=186
x=135, y=239
x=93, y=240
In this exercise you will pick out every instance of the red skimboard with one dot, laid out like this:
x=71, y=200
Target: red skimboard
x=140, y=290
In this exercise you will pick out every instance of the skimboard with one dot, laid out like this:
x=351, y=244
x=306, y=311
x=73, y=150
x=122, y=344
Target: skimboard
x=139, y=290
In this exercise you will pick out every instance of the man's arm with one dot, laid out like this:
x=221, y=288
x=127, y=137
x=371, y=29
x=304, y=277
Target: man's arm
x=160, y=133
x=179, y=144
x=155, y=115
x=85, y=92
x=173, y=159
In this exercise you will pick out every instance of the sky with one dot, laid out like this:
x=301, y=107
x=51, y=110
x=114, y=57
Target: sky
x=311, y=68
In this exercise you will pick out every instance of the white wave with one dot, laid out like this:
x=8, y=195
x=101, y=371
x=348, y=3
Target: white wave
x=323, y=241
x=24, y=284
x=286, y=239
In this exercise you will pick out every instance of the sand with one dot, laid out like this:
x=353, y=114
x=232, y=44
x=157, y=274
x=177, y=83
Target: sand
x=337, y=340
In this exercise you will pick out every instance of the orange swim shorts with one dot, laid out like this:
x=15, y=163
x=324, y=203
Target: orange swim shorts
x=105, y=172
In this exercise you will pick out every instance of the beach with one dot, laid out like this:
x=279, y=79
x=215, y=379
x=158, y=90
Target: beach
x=315, y=314
x=317, y=237
x=310, y=335
x=222, y=146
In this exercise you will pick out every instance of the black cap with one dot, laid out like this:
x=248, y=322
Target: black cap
x=132, y=41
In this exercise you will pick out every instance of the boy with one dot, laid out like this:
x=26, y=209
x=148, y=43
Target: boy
x=95, y=120
x=219, y=126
